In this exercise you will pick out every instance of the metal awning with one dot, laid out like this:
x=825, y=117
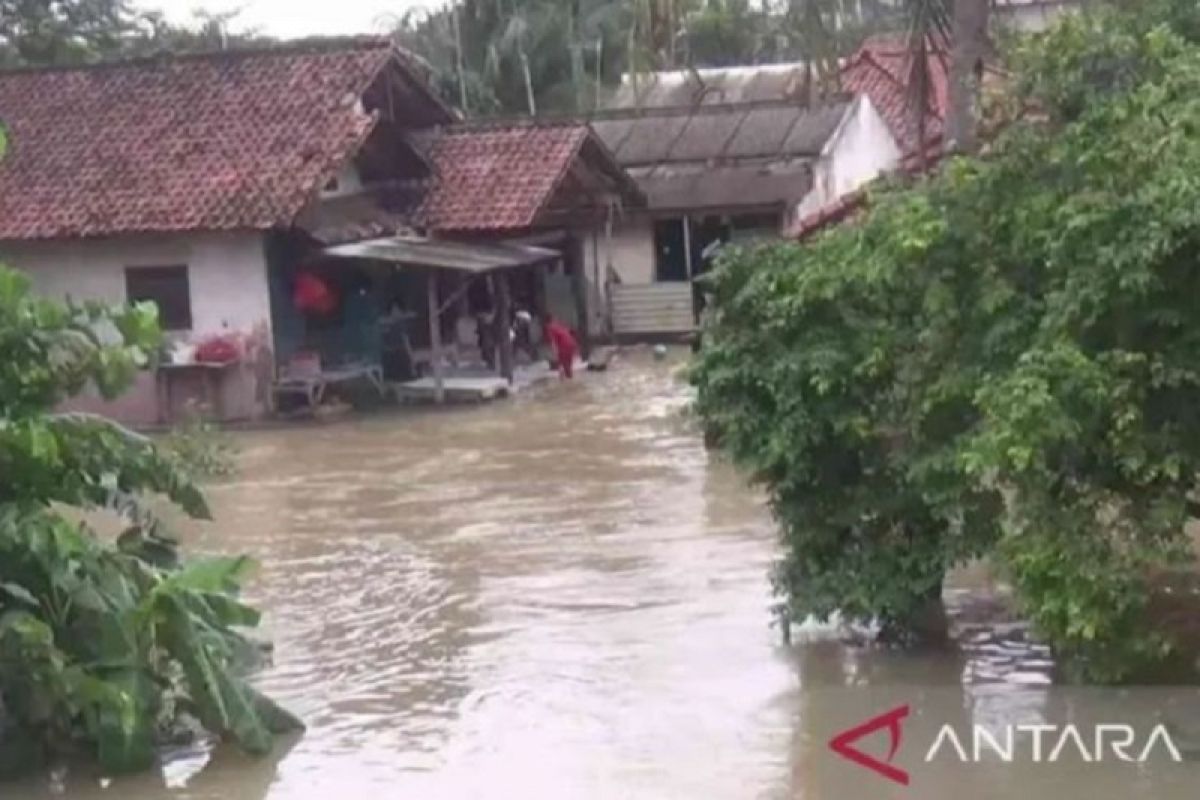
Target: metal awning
x=418, y=251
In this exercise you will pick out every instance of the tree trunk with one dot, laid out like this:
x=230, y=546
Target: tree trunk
x=966, y=72
x=459, y=64
x=927, y=624
x=529, y=96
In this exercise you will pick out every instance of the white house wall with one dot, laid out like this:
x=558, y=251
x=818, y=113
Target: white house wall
x=860, y=150
x=227, y=278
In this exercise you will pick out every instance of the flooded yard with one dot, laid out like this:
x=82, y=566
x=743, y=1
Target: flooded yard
x=566, y=596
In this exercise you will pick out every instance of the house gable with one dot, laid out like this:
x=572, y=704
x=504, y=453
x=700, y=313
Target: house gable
x=513, y=176
x=862, y=148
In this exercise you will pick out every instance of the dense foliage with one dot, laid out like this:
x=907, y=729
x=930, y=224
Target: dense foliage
x=58, y=32
x=104, y=647
x=1002, y=360
x=201, y=447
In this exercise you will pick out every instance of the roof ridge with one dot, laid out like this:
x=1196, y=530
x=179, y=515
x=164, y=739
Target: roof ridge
x=306, y=46
x=717, y=108
x=516, y=122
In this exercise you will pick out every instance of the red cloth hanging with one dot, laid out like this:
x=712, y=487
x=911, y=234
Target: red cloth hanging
x=220, y=349
x=312, y=295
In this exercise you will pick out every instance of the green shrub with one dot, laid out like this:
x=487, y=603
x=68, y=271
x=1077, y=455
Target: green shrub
x=201, y=448
x=104, y=647
x=1002, y=360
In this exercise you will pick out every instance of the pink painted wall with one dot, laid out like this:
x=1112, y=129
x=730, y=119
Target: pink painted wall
x=138, y=406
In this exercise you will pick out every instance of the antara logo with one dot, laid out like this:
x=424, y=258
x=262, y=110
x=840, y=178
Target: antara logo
x=1049, y=743
x=1034, y=743
x=842, y=744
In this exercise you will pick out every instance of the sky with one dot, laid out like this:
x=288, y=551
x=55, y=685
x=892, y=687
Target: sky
x=292, y=18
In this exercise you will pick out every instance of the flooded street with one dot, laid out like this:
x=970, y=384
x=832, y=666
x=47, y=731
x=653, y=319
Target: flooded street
x=565, y=596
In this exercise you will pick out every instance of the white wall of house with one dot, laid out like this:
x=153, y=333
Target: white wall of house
x=860, y=150
x=227, y=273
x=227, y=276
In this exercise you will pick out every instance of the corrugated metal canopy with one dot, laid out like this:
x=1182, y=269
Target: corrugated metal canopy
x=773, y=131
x=695, y=187
x=444, y=254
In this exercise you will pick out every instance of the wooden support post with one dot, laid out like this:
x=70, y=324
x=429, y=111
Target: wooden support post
x=435, y=337
x=608, y=273
x=688, y=255
x=540, y=303
x=491, y=337
x=462, y=300
x=575, y=268
x=595, y=238
x=504, y=325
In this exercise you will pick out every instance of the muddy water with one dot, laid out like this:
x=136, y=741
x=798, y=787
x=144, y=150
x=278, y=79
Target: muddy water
x=566, y=597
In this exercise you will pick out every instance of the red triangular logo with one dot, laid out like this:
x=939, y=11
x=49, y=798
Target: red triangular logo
x=842, y=744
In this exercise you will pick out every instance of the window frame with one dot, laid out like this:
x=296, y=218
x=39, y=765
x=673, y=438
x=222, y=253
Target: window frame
x=152, y=283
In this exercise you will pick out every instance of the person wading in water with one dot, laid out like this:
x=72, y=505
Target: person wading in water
x=564, y=344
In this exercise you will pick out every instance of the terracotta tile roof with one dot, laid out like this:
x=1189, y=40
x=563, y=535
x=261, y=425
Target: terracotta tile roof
x=230, y=140
x=880, y=70
x=501, y=176
x=834, y=213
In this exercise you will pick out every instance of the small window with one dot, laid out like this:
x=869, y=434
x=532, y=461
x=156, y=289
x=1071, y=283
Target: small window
x=167, y=288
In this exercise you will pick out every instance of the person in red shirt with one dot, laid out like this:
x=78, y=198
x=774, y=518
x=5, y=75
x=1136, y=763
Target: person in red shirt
x=565, y=347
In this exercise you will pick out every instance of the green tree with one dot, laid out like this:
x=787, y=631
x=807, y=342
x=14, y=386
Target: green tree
x=517, y=56
x=104, y=647
x=998, y=361
x=40, y=32
x=206, y=31
x=69, y=32
x=724, y=33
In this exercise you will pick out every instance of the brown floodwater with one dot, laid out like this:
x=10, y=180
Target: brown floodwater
x=566, y=596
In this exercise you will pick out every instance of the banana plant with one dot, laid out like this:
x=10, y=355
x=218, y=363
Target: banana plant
x=106, y=647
